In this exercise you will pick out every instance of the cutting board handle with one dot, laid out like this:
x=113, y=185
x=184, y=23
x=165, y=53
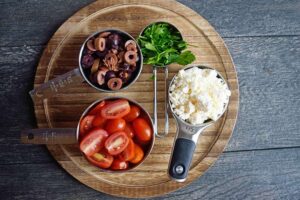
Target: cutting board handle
x=49, y=136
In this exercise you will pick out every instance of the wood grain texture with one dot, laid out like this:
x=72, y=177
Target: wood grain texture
x=65, y=108
x=276, y=182
x=36, y=21
x=269, y=77
x=269, y=74
x=268, y=174
x=266, y=18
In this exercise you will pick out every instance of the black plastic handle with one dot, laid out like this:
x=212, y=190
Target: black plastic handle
x=181, y=159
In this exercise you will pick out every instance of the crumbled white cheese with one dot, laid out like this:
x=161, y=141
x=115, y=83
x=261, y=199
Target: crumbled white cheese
x=197, y=95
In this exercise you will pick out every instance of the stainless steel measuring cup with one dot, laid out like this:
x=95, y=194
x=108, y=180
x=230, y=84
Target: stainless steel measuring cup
x=166, y=84
x=185, y=140
x=69, y=135
x=79, y=74
x=72, y=135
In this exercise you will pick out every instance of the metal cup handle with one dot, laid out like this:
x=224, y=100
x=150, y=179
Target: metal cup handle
x=166, y=127
x=56, y=85
x=49, y=136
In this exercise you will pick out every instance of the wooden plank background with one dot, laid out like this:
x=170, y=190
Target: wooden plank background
x=262, y=160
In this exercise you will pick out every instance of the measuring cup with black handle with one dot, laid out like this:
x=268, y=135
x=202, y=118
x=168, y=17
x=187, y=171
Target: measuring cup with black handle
x=185, y=140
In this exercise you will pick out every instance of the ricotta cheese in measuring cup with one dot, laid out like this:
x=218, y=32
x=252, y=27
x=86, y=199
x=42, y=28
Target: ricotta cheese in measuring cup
x=197, y=95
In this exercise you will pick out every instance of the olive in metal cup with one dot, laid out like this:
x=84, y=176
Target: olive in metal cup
x=186, y=139
x=80, y=74
x=71, y=135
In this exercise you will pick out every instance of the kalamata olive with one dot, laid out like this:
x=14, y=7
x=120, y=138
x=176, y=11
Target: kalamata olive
x=131, y=47
x=109, y=74
x=125, y=67
x=114, y=83
x=95, y=66
x=124, y=75
x=130, y=42
x=87, y=61
x=101, y=76
x=90, y=45
x=130, y=57
x=115, y=39
x=101, y=54
x=100, y=44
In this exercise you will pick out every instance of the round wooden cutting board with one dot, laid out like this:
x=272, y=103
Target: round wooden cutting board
x=64, y=109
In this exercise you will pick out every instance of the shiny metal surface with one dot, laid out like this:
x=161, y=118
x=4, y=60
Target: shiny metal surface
x=140, y=67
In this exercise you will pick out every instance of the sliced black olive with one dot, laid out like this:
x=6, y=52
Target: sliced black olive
x=125, y=67
x=87, y=61
x=110, y=74
x=101, y=76
x=114, y=83
x=124, y=75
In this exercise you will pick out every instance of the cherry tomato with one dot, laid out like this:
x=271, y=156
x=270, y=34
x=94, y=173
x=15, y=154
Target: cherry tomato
x=99, y=121
x=86, y=124
x=119, y=164
x=115, y=109
x=93, y=142
x=128, y=153
x=129, y=130
x=102, y=159
x=97, y=109
x=145, y=117
x=133, y=114
x=142, y=129
x=138, y=154
x=114, y=125
x=116, y=143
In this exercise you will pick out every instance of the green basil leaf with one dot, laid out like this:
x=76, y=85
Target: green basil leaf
x=185, y=58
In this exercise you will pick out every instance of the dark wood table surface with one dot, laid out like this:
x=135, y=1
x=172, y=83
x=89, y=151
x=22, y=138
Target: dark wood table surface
x=262, y=160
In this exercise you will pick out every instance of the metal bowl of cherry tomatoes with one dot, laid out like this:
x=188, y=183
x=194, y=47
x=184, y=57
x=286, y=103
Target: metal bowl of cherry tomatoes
x=115, y=134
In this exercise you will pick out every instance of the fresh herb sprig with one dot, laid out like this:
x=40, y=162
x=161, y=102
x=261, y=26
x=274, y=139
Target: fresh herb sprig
x=162, y=44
